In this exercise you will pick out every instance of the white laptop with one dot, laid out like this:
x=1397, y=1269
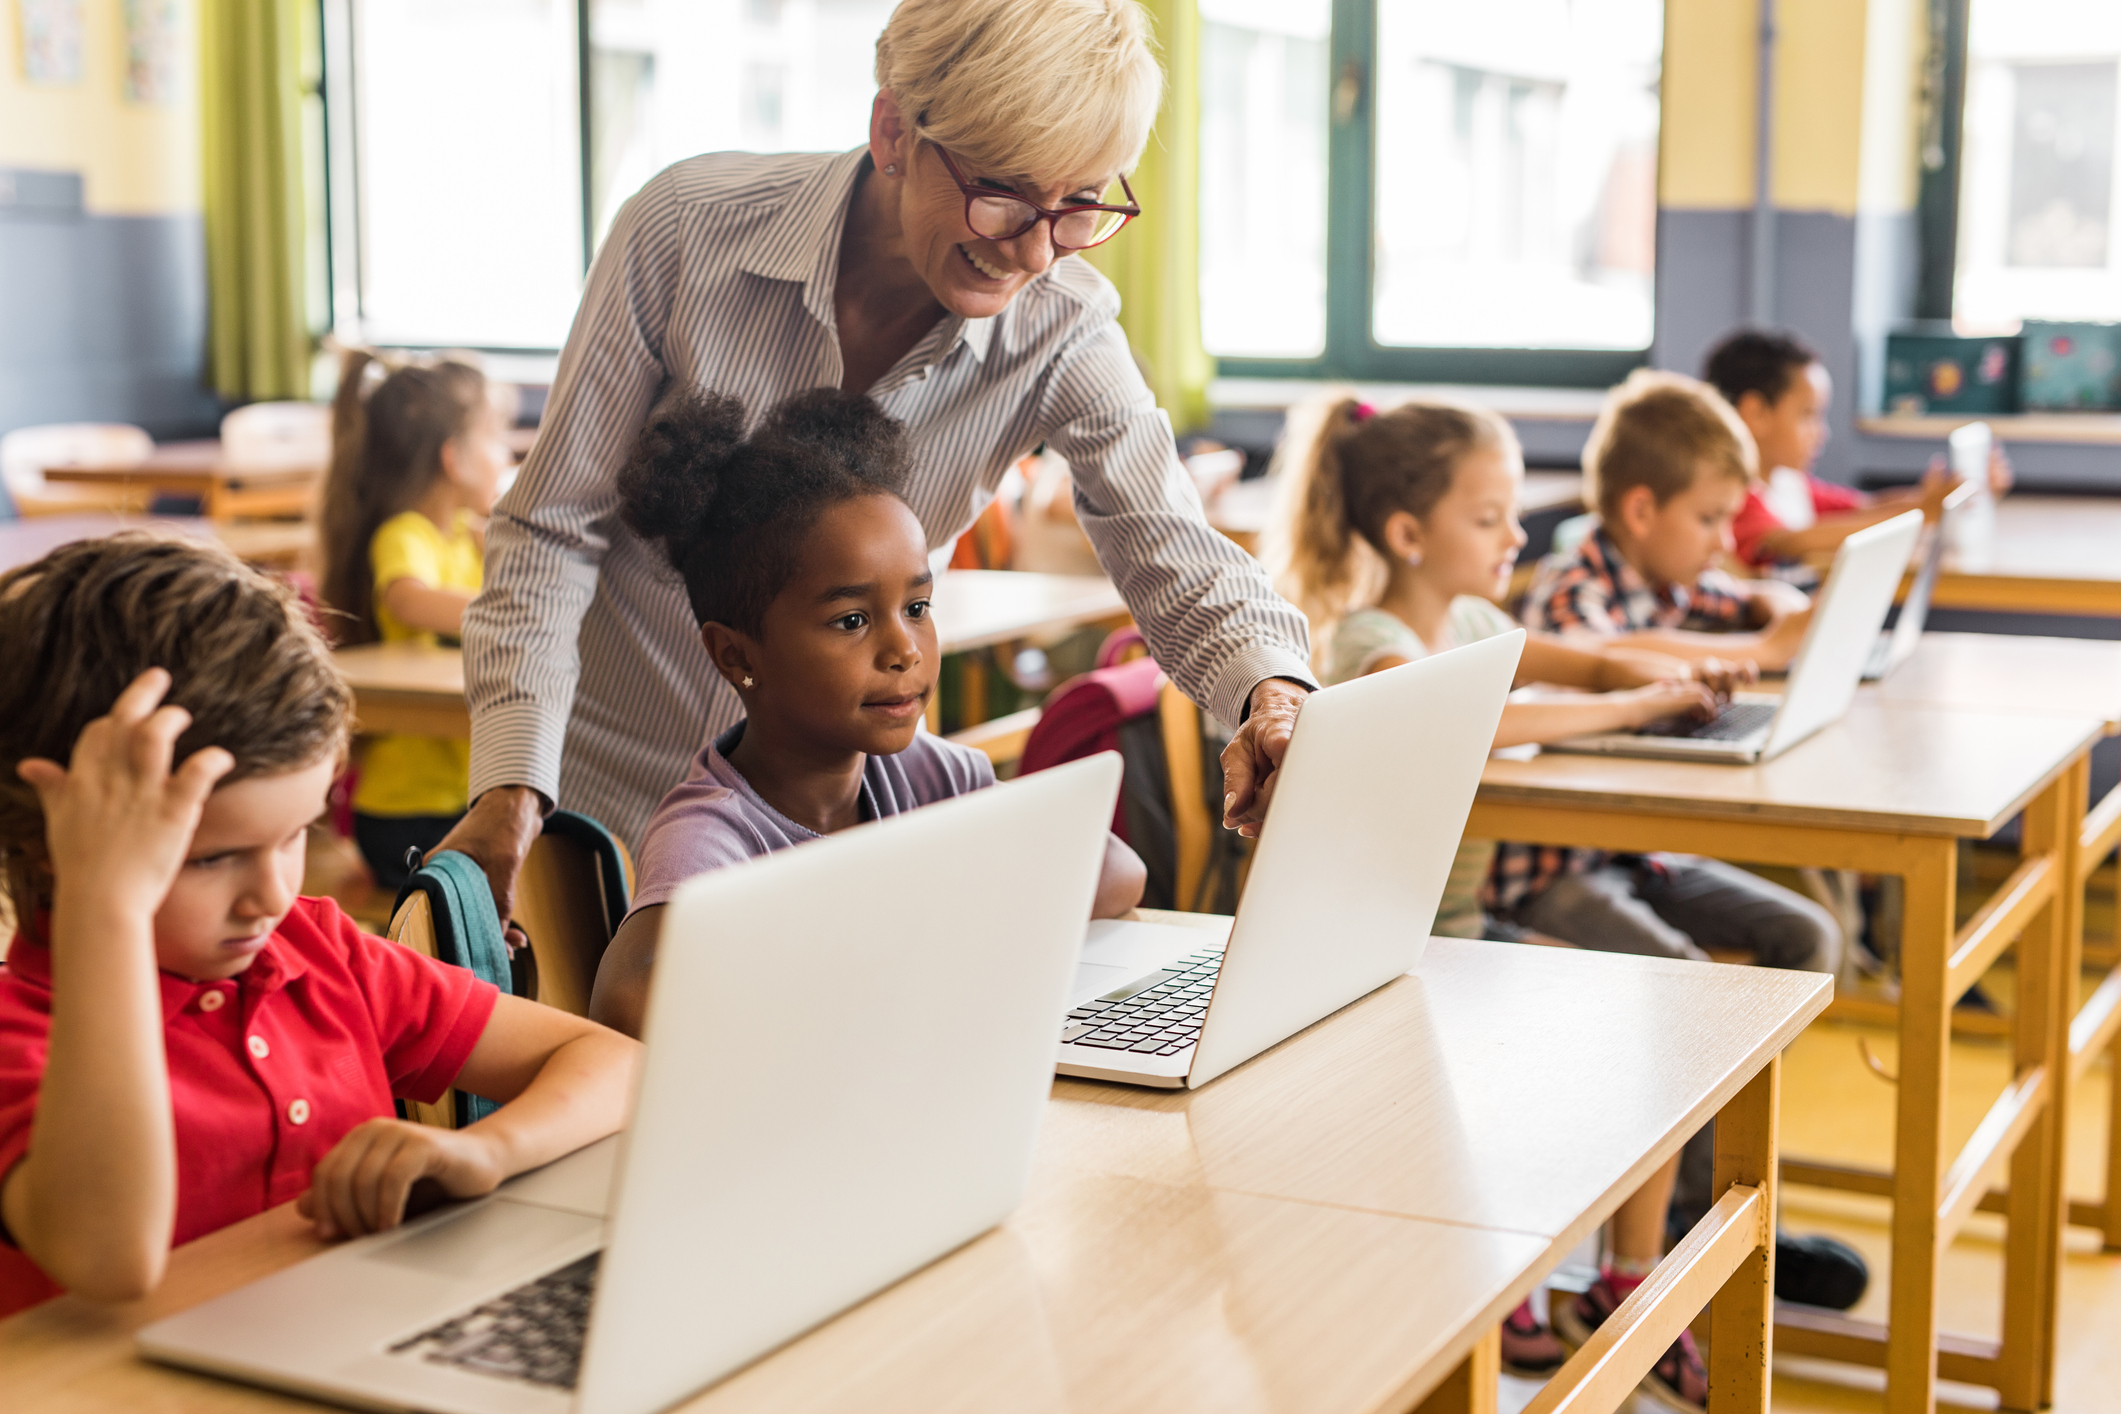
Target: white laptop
x=1372, y=800
x=1755, y=726
x=1898, y=644
x=781, y=1164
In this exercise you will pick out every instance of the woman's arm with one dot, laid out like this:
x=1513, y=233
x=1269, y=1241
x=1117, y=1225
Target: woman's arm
x=422, y=606
x=563, y=1082
x=1555, y=719
x=1120, y=881
x=94, y=1199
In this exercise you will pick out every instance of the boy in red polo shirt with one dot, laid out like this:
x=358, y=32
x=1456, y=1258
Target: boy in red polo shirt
x=183, y=1041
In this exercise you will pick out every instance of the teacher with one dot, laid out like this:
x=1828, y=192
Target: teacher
x=929, y=269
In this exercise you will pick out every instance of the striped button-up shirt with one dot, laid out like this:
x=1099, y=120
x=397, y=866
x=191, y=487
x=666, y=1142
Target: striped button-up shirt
x=583, y=666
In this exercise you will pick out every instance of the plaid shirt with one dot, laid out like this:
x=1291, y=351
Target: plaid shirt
x=1596, y=590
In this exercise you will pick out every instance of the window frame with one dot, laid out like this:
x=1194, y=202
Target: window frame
x=1351, y=354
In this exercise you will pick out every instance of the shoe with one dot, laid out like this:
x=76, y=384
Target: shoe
x=1678, y=1381
x=1529, y=1348
x=1819, y=1271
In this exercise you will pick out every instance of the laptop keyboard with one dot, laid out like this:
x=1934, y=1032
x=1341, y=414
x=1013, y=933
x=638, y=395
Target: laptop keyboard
x=1158, y=1015
x=1736, y=720
x=532, y=1333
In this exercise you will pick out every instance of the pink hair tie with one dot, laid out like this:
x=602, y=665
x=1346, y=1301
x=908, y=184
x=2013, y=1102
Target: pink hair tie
x=1364, y=412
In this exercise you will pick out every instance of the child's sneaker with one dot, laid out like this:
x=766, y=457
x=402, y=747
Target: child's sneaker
x=1529, y=1348
x=1678, y=1381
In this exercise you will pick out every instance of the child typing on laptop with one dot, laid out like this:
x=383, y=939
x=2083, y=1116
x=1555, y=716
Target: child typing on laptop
x=184, y=1042
x=809, y=577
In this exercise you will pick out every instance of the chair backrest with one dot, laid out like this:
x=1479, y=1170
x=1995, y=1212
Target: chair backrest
x=457, y=925
x=27, y=451
x=413, y=926
x=571, y=896
x=274, y=436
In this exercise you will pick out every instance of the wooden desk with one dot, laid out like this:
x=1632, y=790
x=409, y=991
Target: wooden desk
x=403, y=688
x=278, y=544
x=2052, y=555
x=197, y=469
x=1338, y=1226
x=1891, y=789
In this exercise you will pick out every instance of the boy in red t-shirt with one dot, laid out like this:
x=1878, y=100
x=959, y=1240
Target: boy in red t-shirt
x=183, y=1041
x=1782, y=392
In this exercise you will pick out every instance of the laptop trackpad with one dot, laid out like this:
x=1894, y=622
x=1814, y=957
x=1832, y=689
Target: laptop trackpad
x=494, y=1237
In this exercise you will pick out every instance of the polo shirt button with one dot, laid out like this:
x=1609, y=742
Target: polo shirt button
x=298, y=1112
x=258, y=1047
x=212, y=1001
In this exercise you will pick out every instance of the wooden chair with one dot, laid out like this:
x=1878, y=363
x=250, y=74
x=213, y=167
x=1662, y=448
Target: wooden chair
x=569, y=904
x=27, y=451
x=413, y=926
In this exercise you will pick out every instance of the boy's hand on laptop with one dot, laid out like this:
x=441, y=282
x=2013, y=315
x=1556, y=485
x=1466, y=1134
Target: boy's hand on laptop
x=362, y=1185
x=1724, y=676
x=1623, y=668
x=1780, y=640
x=117, y=819
x=1253, y=757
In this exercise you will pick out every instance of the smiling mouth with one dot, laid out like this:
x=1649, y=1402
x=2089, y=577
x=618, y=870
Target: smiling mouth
x=911, y=702
x=980, y=265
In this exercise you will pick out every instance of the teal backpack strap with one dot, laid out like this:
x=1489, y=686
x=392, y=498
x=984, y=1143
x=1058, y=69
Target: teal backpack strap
x=611, y=868
x=467, y=934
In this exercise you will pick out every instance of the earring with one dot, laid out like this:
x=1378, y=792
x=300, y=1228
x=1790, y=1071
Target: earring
x=1414, y=557
x=748, y=682
x=891, y=169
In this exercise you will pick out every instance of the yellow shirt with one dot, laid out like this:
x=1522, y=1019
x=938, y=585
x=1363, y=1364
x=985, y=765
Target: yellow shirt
x=418, y=775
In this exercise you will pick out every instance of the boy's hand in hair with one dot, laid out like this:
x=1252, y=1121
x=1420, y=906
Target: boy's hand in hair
x=118, y=820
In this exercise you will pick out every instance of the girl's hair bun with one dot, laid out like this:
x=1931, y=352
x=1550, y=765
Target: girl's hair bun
x=731, y=513
x=667, y=487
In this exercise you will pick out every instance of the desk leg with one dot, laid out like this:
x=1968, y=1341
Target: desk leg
x=1918, y=1146
x=1742, y=1315
x=1472, y=1387
x=2032, y=1252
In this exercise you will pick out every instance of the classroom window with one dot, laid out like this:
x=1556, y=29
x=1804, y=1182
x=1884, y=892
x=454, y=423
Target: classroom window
x=455, y=130
x=1457, y=192
x=2041, y=134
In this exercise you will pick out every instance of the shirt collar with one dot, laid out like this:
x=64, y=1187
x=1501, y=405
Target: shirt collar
x=31, y=961
x=801, y=246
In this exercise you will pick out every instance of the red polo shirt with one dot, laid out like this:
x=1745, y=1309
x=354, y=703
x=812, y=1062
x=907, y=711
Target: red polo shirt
x=267, y=1070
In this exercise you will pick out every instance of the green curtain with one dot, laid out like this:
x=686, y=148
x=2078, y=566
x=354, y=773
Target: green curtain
x=1156, y=261
x=250, y=58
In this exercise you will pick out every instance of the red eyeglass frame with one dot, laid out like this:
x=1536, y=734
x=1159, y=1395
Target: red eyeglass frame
x=1127, y=214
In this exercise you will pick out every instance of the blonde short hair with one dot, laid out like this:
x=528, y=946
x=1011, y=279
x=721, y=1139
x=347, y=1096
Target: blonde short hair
x=1049, y=89
x=1658, y=430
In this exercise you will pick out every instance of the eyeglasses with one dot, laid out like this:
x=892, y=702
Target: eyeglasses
x=1003, y=216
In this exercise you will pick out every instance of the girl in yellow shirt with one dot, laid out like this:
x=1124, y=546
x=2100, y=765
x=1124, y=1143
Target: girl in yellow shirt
x=416, y=467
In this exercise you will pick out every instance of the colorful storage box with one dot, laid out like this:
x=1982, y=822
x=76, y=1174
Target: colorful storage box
x=2070, y=365
x=1939, y=371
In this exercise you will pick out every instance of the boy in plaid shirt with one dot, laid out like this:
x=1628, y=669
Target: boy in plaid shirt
x=1668, y=465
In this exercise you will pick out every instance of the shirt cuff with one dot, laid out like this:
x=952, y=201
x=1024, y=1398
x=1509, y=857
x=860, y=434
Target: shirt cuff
x=517, y=744
x=1232, y=695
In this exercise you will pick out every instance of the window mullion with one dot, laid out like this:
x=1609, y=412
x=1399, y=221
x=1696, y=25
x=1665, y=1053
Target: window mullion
x=1348, y=189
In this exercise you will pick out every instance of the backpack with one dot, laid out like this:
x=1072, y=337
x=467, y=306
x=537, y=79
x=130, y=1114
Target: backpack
x=467, y=933
x=1120, y=708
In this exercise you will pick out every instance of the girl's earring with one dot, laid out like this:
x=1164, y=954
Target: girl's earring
x=1414, y=557
x=891, y=169
x=748, y=681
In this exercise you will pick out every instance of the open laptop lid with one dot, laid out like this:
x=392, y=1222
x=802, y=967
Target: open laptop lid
x=850, y=1045
x=1847, y=613
x=1915, y=609
x=1372, y=800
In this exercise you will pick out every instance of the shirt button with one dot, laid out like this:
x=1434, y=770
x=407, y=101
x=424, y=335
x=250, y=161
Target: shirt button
x=212, y=1001
x=298, y=1112
x=258, y=1047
